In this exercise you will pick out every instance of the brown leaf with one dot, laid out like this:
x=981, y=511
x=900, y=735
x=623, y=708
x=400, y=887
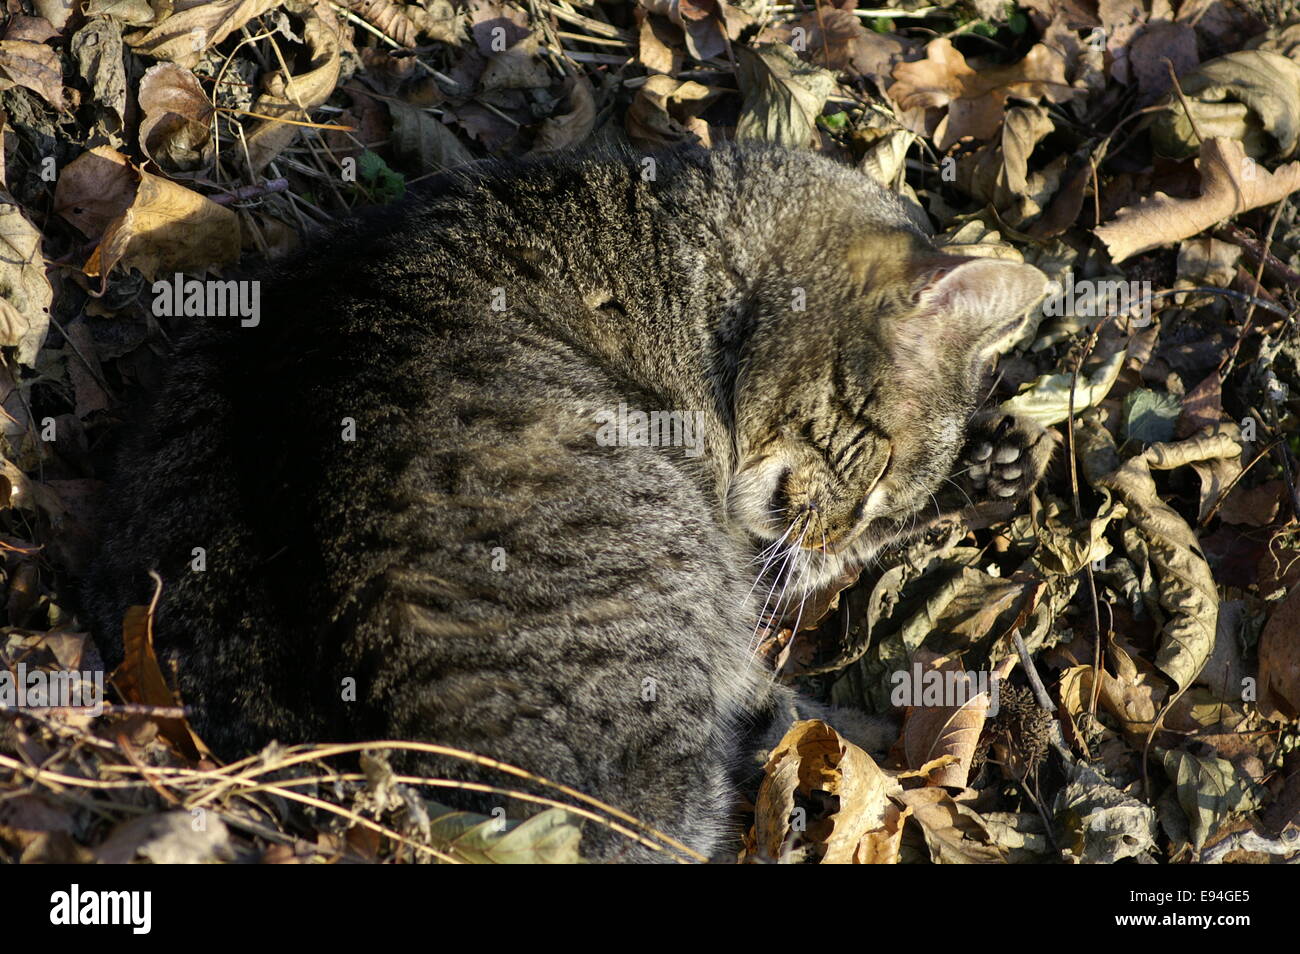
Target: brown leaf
x=176, y=130
x=1279, y=661
x=183, y=36
x=163, y=227
x=574, y=124
x=32, y=29
x=1230, y=184
x=783, y=95
x=140, y=679
x=655, y=48
x=94, y=189
x=424, y=139
x=813, y=757
x=931, y=732
x=954, y=833
x=97, y=47
x=387, y=17
x=33, y=65
x=666, y=111
x=838, y=40
x=976, y=99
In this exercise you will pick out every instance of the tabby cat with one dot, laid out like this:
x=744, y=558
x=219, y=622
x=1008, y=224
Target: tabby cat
x=499, y=468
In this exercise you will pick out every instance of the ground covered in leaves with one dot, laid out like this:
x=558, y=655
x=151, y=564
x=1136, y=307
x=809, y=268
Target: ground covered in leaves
x=1142, y=610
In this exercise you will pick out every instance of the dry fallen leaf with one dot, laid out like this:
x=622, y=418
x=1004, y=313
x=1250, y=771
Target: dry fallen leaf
x=783, y=95
x=1187, y=588
x=33, y=65
x=176, y=131
x=813, y=757
x=25, y=292
x=931, y=732
x=954, y=833
x=1279, y=660
x=1231, y=183
x=184, y=35
x=140, y=679
x=572, y=125
x=163, y=227
x=976, y=99
x=665, y=112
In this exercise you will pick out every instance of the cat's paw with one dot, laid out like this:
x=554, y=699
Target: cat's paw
x=1005, y=455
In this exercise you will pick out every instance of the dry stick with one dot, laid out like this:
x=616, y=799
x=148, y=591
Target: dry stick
x=587, y=23
x=308, y=755
x=361, y=820
x=1258, y=252
x=1225, y=366
x=1173, y=78
x=244, y=193
x=299, y=754
x=1078, y=516
x=1223, y=495
x=463, y=786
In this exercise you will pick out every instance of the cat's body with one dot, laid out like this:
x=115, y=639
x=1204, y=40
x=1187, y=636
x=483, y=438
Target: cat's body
x=400, y=482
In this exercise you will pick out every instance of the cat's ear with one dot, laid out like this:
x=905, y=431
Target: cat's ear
x=974, y=307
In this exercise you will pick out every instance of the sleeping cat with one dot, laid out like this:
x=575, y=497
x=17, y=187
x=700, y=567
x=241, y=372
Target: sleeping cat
x=495, y=467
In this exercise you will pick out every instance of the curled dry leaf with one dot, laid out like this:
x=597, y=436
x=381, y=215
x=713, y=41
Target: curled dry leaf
x=140, y=679
x=386, y=17
x=1100, y=823
x=293, y=97
x=25, y=292
x=549, y=837
x=931, y=731
x=34, y=66
x=184, y=35
x=955, y=834
x=574, y=123
x=1047, y=399
x=136, y=13
x=176, y=131
x=665, y=112
x=813, y=757
x=975, y=99
x=1187, y=589
x=1231, y=183
x=838, y=40
x=998, y=173
x=1237, y=96
x=783, y=96
x=1209, y=790
x=141, y=220
x=707, y=24
x=169, y=838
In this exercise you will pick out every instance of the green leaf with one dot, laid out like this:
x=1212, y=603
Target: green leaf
x=1149, y=416
x=375, y=175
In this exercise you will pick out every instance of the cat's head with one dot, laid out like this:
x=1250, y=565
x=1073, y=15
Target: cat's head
x=851, y=410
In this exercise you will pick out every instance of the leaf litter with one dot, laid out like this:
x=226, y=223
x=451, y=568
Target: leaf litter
x=1141, y=609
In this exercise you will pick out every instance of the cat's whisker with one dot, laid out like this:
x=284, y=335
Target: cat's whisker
x=769, y=608
x=960, y=488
